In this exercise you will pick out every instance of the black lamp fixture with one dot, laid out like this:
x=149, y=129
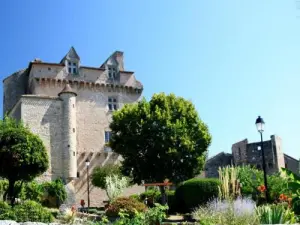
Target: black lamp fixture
x=260, y=125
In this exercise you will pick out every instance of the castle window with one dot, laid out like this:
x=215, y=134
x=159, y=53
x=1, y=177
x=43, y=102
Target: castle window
x=112, y=104
x=112, y=72
x=107, y=136
x=72, y=67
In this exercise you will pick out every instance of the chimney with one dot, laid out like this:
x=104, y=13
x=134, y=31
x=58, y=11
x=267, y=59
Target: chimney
x=119, y=58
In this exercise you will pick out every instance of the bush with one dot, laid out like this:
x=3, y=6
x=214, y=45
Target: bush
x=33, y=191
x=239, y=211
x=33, y=212
x=3, y=186
x=194, y=192
x=126, y=205
x=135, y=196
x=5, y=212
x=275, y=214
x=152, y=196
x=56, y=189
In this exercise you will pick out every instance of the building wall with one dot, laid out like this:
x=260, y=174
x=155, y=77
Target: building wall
x=213, y=164
x=292, y=164
x=239, y=152
x=44, y=117
x=279, y=156
x=13, y=87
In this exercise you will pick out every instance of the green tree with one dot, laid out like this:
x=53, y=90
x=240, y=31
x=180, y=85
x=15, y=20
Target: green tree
x=23, y=155
x=160, y=139
x=100, y=173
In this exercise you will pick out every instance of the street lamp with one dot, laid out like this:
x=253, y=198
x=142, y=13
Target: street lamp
x=260, y=125
x=87, y=163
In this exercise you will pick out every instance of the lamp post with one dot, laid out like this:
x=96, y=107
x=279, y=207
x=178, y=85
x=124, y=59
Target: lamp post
x=260, y=125
x=87, y=163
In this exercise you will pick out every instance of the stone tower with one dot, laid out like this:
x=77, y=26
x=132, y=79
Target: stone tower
x=69, y=144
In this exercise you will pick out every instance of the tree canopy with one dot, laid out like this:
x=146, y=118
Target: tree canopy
x=160, y=139
x=23, y=155
x=100, y=173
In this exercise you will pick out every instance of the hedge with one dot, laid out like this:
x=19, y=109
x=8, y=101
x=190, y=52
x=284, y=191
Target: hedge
x=194, y=192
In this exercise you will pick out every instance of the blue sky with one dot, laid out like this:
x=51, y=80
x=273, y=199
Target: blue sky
x=234, y=59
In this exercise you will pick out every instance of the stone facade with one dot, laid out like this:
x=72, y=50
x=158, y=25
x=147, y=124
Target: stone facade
x=70, y=107
x=244, y=153
x=220, y=160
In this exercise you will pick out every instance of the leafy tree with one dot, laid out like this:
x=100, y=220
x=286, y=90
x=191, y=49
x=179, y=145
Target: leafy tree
x=23, y=155
x=100, y=173
x=160, y=139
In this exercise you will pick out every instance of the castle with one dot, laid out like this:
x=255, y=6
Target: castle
x=70, y=107
x=244, y=153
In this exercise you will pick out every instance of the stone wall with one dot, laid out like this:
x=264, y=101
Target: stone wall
x=13, y=87
x=220, y=160
x=239, y=152
x=43, y=116
x=292, y=164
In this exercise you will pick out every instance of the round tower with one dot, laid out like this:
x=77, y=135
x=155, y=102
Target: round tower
x=69, y=147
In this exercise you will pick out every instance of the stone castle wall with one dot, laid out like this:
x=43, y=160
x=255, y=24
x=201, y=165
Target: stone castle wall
x=44, y=117
x=13, y=87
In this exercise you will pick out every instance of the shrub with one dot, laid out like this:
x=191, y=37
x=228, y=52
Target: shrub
x=126, y=205
x=194, y=192
x=3, y=186
x=275, y=214
x=100, y=173
x=135, y=196
x=234, y=212
x=33, y=191
x=33, y=212
x=5, y=212
x=152, y=196
x=56, y=189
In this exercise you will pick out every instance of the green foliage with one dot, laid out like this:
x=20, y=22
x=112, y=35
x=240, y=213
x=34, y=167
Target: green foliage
x=294, y=187
x=278, y=184
x=154, y=196
x=135, y=196
x=126, y=205
x=250, y=178
x=33, y=191
x=151, y=195
x=3, y=186
x=152, y=216
x=56, y=189
x=156, y=214
x=33, y=212
x=195, y=192
x=6, y=213
x=159, y=139
x=100, y=173
x=23, y=155
x=275, y=214
x=25, y=212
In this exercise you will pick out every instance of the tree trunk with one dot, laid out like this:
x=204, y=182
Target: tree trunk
x=11, y=186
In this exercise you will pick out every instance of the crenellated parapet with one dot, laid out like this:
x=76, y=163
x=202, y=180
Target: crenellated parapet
x=78, y=84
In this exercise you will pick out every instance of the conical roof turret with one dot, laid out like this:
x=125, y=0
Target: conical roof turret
x=67, y=89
